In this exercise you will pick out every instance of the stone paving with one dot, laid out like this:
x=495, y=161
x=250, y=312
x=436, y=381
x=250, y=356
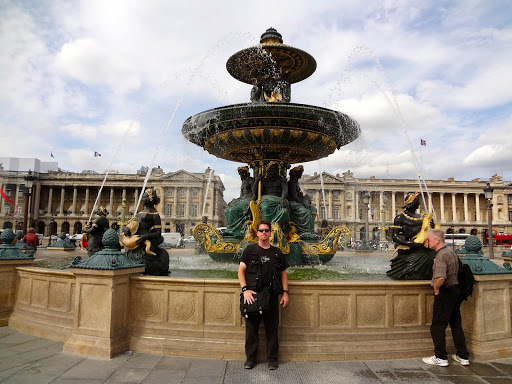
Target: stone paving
x=27, y=359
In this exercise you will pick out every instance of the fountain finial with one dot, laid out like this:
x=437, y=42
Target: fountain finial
x=271, y=36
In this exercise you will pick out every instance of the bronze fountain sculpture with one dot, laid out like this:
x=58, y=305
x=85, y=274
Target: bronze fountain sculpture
x=269, y=134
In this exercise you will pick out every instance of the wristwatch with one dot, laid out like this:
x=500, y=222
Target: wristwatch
x=285, y=290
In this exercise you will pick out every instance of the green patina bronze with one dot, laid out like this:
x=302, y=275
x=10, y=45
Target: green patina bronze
x=481, y=265
x=8, y=251
x=63, y=242
x=25, y=248
x=109, y=258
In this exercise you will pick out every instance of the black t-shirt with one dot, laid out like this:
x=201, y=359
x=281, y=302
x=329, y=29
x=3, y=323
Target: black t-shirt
x=263, y=265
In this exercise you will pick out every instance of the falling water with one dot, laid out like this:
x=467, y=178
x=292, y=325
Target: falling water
x=222, y=41
x=323, y=190
x=396, y=108
x=208, y=186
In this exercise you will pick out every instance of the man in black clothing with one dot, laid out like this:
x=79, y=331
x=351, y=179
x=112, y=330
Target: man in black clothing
x=263, y=266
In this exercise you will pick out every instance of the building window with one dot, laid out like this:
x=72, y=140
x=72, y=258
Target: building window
x=322, y=213
x=7, y=209
x=195, y=192
x=194, y=210
x=182, y=192
x=336, y=213
x=509, y=215
x=8, y=192
x=169, y=192
x=169, y=210
x=509, y=197
x=336, y=195
x=181, y=210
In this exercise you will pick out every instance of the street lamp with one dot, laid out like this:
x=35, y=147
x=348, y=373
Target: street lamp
x=29, y=181
x=488, y=190
x=366, y=202
x=52, y=220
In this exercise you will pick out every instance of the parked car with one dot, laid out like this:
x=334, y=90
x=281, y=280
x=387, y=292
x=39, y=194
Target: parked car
x=173, y=239
x=189, y=239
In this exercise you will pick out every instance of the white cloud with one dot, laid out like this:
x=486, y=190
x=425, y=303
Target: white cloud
x=88, y=61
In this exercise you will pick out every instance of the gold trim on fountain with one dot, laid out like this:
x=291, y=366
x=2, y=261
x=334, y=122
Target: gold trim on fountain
x=329, y=245
x=212, y=240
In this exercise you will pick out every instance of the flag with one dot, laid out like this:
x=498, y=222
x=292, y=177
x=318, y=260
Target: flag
x=6, y=198
x=51, y=154
x=423, y=142
x=96, y=154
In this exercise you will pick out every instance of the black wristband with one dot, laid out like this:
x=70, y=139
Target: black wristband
x=285, y=290
x=244, y=288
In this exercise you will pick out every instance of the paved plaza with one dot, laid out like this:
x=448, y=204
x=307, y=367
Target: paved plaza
x=26, y=359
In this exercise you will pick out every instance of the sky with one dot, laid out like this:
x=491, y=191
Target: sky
x=119, y=77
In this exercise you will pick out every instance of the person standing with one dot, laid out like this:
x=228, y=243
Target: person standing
x=447, y=301
x=263, y=265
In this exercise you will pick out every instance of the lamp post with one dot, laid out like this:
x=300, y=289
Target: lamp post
x=52, y=220
x=29, y=181
x=488, y=190
x=366, y=202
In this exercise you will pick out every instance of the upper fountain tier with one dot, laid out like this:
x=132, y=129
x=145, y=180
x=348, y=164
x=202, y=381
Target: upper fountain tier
x=270, y=127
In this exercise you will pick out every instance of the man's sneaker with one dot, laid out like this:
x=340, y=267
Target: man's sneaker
x=249, y=364
x=433, y=360
x=460, y=360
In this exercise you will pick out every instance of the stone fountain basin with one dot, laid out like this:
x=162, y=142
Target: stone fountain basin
x=255, y=131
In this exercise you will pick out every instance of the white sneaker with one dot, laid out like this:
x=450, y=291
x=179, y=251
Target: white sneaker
x=433, y=360
x=460, y=360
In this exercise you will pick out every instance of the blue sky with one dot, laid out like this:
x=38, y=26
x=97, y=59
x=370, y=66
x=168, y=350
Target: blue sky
x=106, y=76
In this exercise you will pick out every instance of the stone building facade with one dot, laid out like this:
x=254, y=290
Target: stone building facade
x=63, y=201
x=459, y=206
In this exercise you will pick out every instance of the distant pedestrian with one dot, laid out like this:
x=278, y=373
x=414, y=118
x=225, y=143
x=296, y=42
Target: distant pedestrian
x=31, y=238
x=447, y=301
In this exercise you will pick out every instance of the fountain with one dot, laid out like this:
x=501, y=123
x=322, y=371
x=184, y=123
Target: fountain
x=270, y=134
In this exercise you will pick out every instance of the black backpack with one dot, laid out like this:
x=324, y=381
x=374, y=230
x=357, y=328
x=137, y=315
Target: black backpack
x=466, y=280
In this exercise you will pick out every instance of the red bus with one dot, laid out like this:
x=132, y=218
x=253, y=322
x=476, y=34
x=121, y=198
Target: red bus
x=501, y=238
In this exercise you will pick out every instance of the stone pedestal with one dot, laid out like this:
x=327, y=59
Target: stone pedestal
x=486, y=318
x=8, y=277
x=101, y=312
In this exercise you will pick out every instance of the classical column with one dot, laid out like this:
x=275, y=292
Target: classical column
x=454, y=209
x=356, y=205
x=393, y=204
x=50, y=198
x=329, y=213
x=37, y=200
x=319, y=194
x=477, y=207
x=441, y=203
x=466, y=211
x=16, y=199
x=175, y=204
x=187, y=203
x=62, y=195
x=200, y=206
x=86, y=203
x=381, y=203
x=111, y=202
x=73, y=206
x=136, y=200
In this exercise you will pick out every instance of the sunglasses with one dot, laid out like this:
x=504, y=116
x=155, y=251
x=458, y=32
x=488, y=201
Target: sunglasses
x=264, y=230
